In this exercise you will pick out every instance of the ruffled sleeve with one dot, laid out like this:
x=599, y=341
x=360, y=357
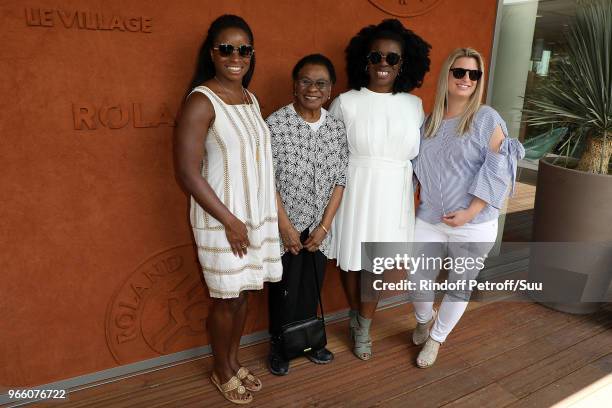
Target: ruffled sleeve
x=498, y=171
x=514, y=151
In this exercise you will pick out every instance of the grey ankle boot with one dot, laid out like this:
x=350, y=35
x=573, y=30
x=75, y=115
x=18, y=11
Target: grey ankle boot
x=363, y=342
x=429, y=353
x=421, y=331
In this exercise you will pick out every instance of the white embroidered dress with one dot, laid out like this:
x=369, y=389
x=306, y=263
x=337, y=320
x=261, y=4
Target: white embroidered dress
x=238, y=166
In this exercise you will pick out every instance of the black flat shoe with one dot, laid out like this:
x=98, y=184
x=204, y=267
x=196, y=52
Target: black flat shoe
x=322, y=356
x=276, y=362
x=277, y=365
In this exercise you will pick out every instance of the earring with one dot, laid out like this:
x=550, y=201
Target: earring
x=366, y=68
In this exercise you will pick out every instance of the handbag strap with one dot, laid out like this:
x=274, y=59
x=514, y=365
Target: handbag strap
x=314, y=265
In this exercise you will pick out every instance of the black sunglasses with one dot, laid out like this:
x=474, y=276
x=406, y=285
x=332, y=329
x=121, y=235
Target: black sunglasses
x=245, y=51
x=474, y=74
x=375, y=57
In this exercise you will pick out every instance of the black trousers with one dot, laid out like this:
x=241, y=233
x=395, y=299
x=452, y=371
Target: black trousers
x=295, y=297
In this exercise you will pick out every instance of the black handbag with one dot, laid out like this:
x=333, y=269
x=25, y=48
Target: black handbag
x=297, y=338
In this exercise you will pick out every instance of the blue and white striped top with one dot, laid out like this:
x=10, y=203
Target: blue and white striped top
x=452, y=169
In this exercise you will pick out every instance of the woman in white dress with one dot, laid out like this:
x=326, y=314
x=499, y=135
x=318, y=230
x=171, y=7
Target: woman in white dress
x=224, y=161
x=382, y=119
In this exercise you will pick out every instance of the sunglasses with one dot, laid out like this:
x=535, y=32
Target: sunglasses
x=225, y=50
x=474, y=74
x=375, y=57
x=320, y=84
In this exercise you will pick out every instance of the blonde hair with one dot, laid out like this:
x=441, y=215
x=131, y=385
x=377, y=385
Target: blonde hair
x=441, y=101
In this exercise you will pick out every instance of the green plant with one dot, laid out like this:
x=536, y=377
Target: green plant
x=579, y=92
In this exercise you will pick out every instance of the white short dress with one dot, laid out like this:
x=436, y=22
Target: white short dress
x=378, y=202
x=238, y=166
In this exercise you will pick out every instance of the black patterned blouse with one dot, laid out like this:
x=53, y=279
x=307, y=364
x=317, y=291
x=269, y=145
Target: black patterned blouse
x=307, y=165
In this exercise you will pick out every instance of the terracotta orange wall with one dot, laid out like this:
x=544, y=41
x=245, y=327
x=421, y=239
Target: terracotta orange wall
x=98, y=268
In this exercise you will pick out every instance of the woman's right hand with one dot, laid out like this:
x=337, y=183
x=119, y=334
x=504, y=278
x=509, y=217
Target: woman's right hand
x=237, y=236
x=291, y=238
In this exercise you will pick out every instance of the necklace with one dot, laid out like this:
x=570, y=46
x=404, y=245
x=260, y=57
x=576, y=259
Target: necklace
x=244, y=98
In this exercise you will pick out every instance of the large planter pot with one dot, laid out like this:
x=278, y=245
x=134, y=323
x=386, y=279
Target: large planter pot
x=573, y=210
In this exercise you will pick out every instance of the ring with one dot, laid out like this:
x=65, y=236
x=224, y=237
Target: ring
x=244, y=246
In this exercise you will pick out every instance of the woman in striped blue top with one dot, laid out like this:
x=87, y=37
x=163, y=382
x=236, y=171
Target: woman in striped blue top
x=465, y=167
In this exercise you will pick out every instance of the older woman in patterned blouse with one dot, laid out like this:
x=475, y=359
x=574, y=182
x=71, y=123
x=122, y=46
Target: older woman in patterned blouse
x=310, y=154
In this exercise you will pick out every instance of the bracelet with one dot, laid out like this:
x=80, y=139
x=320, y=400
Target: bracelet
x=324, y=229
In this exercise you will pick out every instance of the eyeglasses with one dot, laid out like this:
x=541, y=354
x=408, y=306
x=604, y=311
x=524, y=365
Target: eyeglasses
x=307, y=83
x=474, y=74
x=245, y=51
x=375, y=57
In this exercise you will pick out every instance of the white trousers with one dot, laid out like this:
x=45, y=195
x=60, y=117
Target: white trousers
x=451, y=308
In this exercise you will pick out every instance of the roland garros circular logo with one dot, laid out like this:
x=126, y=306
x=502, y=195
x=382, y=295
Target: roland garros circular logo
x=160, y=308
x=405, y=8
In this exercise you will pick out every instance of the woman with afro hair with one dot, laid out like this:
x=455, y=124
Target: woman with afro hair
x=382, y=119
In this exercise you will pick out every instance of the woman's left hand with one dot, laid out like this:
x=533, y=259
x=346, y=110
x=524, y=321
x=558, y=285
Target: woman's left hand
x=314, y=239
x=458, y=218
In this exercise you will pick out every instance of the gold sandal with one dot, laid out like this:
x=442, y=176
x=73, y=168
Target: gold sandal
x=233, y=384
x=244, y=373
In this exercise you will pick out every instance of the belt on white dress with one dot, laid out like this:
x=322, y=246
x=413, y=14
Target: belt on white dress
x=385, y=163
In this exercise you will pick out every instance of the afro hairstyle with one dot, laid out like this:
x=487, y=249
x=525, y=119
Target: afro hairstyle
x=415, y=55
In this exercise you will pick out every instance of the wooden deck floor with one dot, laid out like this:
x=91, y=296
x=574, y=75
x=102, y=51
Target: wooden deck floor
x=503, y=354
x=519, y=214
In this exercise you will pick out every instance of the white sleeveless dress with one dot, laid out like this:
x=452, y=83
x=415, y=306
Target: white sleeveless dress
x=383, y=132
x=238, y=166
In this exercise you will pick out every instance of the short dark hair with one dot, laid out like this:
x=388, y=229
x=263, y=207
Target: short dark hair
x=315, y=59
x=205, y=69
x=415, y=55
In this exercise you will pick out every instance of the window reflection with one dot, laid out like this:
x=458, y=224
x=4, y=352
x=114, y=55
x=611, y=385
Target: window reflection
x=530, y=44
